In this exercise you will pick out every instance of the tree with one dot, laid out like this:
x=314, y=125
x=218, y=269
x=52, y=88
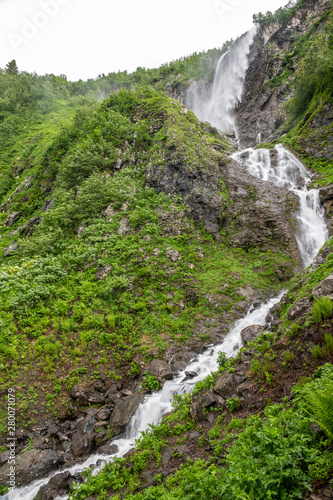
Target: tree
x=12, y=68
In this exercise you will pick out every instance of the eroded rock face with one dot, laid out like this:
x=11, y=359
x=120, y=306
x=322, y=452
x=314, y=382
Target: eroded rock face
x=262, y=109
x=31, y=465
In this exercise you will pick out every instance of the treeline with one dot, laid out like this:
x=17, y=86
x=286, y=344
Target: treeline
x=282, y=15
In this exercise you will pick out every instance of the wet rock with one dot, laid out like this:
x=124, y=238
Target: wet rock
x=12, y=218
x=83, y=439
x=86, y=395
x=57, y=486
x=166, y=455
x=299, y=310
x=160, y=369
x=225, y=385
x=178, y=366
x=250, y=333
x=11, y=249
x=324, y=288
x=31, y=465
x=108, y=449
x=190, y=374
x=326, y=193
x=123, y=411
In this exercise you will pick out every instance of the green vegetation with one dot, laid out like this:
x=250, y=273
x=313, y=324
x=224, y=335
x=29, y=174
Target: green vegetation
x=322, y=309
x=276, y=454
x=281, y=15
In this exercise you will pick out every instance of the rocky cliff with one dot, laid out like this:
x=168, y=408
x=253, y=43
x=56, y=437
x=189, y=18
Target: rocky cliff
x=268, y=82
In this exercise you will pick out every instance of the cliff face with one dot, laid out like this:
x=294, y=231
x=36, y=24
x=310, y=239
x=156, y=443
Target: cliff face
x=267, y=87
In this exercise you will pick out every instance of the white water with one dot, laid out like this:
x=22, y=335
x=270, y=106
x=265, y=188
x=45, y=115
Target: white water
x=157, y=404
x=283, y=169
x=286, y=172
x=218, y=107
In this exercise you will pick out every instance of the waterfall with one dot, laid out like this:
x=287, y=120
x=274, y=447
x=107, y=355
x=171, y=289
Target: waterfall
x=157, y=404
x=281, y=168
x=218, y=107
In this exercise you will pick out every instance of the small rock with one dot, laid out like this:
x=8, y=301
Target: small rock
x=108, y=449
x=11, y=249
x=190, y=374
x=156, y=252
x=12, y=218
x=123, y=228
x=172, y=254
x=103, y=414
x=86, y=395
x=225, y=385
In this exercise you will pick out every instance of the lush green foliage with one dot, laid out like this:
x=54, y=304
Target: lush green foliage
x=322, y=309
x=281, y=15
x=276, y=455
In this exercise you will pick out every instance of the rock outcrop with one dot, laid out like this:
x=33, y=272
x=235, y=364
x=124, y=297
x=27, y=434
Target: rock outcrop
x=262, y=108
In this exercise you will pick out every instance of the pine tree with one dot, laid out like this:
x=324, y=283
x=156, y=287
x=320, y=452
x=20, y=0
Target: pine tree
x=12, y=68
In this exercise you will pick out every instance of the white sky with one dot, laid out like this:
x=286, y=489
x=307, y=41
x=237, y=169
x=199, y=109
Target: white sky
x=84, y=38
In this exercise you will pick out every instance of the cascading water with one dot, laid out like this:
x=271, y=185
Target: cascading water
x=218, y=107
x=281, y=168
x=156, y=405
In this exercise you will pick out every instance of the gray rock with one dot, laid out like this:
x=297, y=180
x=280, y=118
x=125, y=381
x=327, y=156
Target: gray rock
x=250, y=333
x=190, y=374
x=108, y=449
x=299, y=310
x=324, y=288
x=245, y=390
x=48, y=205
x=57, y=486
x=4, y=457
x=123, y=411
x=172, y=254
x=11, y=249
x=103, y=273
x=103, y=414
x=86, y=395
x=31, y=465
x=178, y=366
x=160, y=369
x=123, y=228
x=83, y=439
x=12, y=218
x=226, y=385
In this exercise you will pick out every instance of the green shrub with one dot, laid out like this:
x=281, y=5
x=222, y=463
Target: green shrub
x=322, y=309
x=150, y=383
x=222, y=359
x=234, y=404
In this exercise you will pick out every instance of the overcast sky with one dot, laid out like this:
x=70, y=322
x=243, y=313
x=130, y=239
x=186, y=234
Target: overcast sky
x=84, y=38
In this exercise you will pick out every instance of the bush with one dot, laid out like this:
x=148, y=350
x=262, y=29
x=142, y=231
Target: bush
x=322, y=309
x=151, y=383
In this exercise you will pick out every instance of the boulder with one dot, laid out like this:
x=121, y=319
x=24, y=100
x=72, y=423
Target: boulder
x=31, y=465
x=123, y=411
x=250, y=333
x=324, y=288
x=326, y=193
x=160, y=369
x=86, y=395
x=4, y=457
x=104, y=413
x=56, y=487
x=108, y=449
x=245, y=390
x=225, y=385
x=299, y=310
x=83, y=439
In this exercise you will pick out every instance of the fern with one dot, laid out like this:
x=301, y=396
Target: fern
x=322, y=309
x=321, y=406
